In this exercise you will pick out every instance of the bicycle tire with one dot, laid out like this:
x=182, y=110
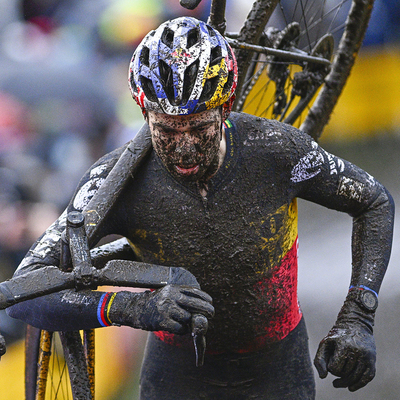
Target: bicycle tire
x=59, y=372
x=304, y=29
x=32, y=345
x=75, y=355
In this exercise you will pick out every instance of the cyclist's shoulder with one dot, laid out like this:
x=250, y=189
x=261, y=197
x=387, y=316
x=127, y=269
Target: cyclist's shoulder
x=266, y=133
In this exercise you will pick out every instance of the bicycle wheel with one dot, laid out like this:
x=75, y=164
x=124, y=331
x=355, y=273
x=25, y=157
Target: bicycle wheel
x=307, y=46
x=59, y=365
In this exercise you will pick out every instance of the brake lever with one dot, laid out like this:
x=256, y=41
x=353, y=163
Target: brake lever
x=199, y=327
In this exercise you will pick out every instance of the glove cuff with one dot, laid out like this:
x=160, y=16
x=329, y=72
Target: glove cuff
x=356, y=310
x=123, y=310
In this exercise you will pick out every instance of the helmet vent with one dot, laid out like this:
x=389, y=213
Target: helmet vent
x=148, y=88
x=229, y=82
x=167, y=37
x=209, y=89
x=132, y=82
x=192, y=37
x=216, y=56
x=189, y=81
x=211, y=31
x=144, y=56
x=166, y=80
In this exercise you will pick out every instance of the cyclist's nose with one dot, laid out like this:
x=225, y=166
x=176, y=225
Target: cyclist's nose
x=186, y=143
x=186, y=149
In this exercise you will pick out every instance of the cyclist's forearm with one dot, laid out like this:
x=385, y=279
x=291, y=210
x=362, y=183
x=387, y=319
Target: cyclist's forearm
x=372, y=242
x=63, y=311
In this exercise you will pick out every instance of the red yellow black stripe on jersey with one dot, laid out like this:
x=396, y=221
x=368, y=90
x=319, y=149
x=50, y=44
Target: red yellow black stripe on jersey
x=278, y=279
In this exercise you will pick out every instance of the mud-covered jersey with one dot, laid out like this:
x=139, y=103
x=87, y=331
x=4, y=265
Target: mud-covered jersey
x=240, y=241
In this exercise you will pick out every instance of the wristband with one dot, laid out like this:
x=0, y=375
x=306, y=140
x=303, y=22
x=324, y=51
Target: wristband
x=363, y=287
x=103, y=308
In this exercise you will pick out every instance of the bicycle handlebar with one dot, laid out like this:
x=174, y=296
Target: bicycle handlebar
x=125, y=273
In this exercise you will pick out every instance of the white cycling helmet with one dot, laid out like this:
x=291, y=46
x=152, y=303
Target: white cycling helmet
x=183, y=67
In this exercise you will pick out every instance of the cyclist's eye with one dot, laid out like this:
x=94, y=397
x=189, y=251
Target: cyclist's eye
x=166, y=131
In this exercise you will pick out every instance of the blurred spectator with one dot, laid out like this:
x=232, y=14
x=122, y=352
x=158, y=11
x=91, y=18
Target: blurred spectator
x=66, y=121
x=123, y=23
x=14, y=117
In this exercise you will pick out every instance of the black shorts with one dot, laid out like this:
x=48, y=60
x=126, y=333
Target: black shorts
x=282, y=371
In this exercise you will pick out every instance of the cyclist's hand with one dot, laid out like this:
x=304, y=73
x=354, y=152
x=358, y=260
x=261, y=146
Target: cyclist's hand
x=348, y=351
x=168, y=309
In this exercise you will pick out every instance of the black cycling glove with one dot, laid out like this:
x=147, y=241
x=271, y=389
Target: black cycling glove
x=166, y=309
x=348, y=351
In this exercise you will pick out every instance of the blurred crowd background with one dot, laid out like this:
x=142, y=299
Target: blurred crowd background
x=64, y=102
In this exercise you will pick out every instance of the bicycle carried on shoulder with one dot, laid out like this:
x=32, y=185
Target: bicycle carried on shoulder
x=294, y=58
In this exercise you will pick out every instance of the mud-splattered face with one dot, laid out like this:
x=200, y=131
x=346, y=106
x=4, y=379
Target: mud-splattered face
x=188, y=145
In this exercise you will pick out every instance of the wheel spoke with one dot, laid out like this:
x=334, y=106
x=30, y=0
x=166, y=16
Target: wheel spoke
x=315, y=18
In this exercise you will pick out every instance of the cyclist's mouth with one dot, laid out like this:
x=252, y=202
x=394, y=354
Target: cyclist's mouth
x=187, y=170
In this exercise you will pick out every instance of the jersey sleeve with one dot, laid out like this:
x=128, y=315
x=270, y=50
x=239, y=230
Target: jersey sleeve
x=66, y=310
x=325, y=179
